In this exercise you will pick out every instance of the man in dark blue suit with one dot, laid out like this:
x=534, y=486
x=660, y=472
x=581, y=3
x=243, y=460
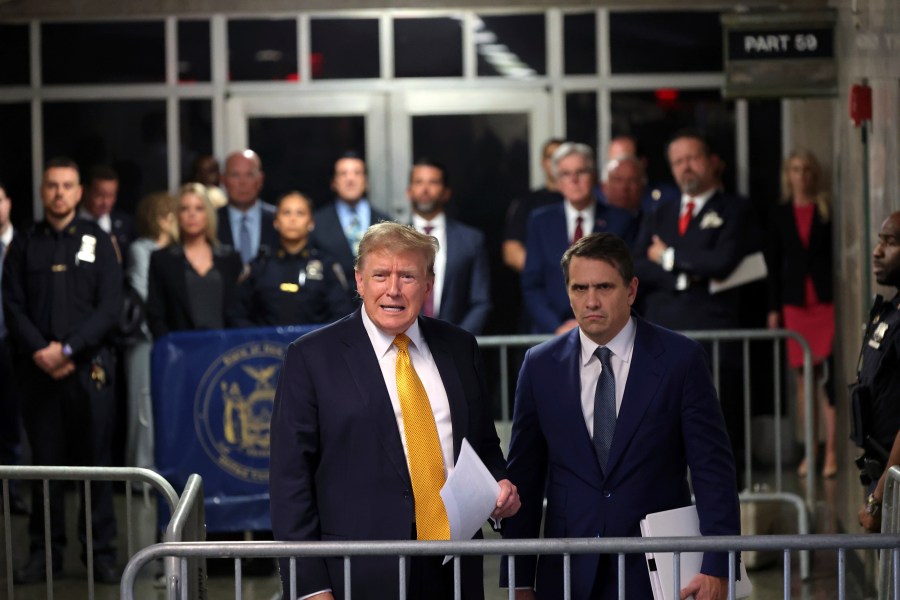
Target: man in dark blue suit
x=552, y=229
x=462, y=283
x=351, y=458
x=246, y=223
x=608, y=419
x=341, y=224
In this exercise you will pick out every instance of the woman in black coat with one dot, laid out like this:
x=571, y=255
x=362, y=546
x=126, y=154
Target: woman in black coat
x=194, y=283
x=801, y=295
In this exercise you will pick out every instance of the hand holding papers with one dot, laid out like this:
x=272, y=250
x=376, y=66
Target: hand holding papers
x=751, y=268
x=469, y=494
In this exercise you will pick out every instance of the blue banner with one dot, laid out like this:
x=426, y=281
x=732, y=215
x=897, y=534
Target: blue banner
x=213, y=394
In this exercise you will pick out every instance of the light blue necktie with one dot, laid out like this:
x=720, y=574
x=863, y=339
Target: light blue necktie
x=604, y=407
x=246, y=250
x=354, y=231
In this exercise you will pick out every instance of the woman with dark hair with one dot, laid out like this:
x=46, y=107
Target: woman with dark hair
x=295, y=284
x=156, y=228
x=193, y=284
x=801, y=295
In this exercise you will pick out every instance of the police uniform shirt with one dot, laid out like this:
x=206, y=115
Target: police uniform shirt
x=295, y=289
x=63, y=286
x=880, y=370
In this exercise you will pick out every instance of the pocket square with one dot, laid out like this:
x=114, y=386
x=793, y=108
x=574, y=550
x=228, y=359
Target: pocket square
x=711, y=220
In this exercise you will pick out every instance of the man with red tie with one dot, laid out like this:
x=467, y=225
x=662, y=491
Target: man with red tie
x=552, y=229
x=685, y=244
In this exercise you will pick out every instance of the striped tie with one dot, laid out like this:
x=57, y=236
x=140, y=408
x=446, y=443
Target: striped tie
x=426, y=462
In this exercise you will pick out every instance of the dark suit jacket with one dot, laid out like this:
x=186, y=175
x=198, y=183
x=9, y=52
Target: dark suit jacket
x=790, y=263
x=122, y=231
x=703, y=253
x=268, y=237
x=466, y=295
x=168, y=307
x=543, y=284
x=337, y=469
x=669, y=420
x=328, y=236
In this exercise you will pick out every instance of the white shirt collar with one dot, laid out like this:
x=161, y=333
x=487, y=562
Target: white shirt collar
x=439, y=222
x=622, y=345
x=382, y=341
x=6, y=236
x=699, y=200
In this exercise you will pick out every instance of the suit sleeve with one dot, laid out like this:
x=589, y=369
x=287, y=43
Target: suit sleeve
x=527, y=468
x=709, y=458
x=156, y=296
x=95, y=328
x=479, y=300
x=294, y=459
x=20, y=325
x=651, y=276
x=534, y=284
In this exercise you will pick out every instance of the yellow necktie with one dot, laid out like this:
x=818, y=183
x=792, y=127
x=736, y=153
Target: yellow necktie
x=426, y=461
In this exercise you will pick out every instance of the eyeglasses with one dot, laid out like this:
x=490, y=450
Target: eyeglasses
x=577, y=174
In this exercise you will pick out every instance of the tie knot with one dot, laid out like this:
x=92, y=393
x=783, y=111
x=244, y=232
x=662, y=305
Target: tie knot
x=428, y=229
x=402, y=342
x=603, y=353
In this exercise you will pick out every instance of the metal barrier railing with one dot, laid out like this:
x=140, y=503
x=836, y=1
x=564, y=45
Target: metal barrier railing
x=565, y=547
x=890, y=525
x=187, y=522
x=84, y=475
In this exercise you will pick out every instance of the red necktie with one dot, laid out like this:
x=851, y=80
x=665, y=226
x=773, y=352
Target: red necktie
x=428, y=305
x=686, y=217
x=579, y=232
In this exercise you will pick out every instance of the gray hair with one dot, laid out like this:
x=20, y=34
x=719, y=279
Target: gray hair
x=570, y=148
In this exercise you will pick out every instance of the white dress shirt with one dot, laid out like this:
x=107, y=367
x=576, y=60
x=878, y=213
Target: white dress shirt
x=426, y=369
x=622, y=347
x=438, y=230
x=587, y=219
x=105, y=221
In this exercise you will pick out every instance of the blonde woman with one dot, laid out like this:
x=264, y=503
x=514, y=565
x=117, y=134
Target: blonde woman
x=801, y=283
x=193, y=284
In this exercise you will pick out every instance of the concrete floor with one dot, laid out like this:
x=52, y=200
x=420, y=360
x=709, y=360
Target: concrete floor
x=768, y=582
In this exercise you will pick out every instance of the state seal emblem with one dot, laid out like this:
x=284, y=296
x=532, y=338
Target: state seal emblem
x=233, y=409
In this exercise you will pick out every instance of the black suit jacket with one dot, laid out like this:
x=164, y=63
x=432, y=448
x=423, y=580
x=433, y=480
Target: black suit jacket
x=713, y=245
x=168, y=307
x=337, y=468
x=268, y=237
x=466, y=295
x=328, y=236
x=123, y=232
x=789, y=262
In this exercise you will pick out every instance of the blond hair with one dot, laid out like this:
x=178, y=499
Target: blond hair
x=395, y=237
x=823, y=202
x=212, y=221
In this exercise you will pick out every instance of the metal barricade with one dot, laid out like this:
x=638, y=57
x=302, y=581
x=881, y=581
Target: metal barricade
x=187, y=522
x=85, y=475
x=565, y=547
x=890, y=525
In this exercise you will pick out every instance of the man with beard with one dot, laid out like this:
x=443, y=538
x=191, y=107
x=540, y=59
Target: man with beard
x=461, y=293
x=876, y=413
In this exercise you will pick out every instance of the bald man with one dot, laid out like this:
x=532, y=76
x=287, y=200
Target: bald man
x=246, y=223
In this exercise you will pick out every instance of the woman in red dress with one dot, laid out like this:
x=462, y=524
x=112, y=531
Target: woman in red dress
x=801, y=284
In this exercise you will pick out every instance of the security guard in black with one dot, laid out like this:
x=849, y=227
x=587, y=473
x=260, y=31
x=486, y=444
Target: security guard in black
x=62, y=293
x=294, y=289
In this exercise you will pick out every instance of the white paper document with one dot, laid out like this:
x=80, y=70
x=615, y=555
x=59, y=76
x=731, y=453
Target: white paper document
x=469, y=494
x=679, y=522
x=751, y=268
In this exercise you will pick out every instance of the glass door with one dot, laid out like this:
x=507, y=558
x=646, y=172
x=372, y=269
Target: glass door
x=300, y=137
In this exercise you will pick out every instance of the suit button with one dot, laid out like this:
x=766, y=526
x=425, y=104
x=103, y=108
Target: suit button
x=607, y=494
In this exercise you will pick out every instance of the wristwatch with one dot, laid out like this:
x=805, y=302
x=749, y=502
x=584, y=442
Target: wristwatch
x=873, y=506
x=67, y=350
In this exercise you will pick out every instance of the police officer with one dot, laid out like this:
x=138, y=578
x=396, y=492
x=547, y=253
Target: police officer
x=876, y=394
x=62, y=293
x=295, y=284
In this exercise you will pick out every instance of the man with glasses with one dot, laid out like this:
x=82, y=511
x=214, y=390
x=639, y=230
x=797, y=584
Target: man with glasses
x=552, y=229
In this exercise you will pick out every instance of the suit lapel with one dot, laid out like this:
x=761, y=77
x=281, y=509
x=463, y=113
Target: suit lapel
x=363, y=366
x=568, y=405
x=644, y=376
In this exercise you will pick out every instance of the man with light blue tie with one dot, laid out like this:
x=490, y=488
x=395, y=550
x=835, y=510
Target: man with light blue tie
x=341, y=224
x=608, y=420
x=246, y=223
